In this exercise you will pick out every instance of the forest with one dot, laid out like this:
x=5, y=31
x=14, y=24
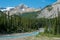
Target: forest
x=19, y=24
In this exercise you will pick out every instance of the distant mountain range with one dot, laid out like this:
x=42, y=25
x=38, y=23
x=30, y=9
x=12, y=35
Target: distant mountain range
x=50, y=11
x=19, y=9
x=6, y=9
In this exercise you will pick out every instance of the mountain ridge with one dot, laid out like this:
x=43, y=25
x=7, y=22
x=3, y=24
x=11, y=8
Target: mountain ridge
x=22, y=8
x=51, y=11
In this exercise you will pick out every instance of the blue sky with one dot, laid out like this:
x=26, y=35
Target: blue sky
x=30, y=3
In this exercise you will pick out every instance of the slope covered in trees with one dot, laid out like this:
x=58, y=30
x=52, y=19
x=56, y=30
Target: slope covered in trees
x=17, y=24
x=26, y=23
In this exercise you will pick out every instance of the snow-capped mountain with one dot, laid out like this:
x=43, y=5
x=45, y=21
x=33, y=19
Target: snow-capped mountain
x=2, y=9
x=50, y=11
x=22, y=8
x=6, y=9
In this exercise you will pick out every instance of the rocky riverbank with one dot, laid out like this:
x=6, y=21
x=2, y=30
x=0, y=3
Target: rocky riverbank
x=33, y=38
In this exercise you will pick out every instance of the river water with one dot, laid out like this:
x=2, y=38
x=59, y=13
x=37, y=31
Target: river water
x=20, y=35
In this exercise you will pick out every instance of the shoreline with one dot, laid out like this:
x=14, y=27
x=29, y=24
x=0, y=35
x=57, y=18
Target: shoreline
x=19, y=35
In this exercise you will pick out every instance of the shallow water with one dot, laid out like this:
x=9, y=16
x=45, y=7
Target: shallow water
x=19, y=35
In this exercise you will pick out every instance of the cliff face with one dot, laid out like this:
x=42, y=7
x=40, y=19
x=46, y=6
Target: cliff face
x=22, y=9
x=50, y=11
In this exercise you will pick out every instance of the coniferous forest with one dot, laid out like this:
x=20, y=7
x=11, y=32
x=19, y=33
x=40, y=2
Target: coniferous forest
x=20, y=24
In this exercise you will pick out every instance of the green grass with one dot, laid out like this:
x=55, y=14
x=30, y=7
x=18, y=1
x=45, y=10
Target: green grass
x=52, y=35
x=40, y=34
x=48, y=35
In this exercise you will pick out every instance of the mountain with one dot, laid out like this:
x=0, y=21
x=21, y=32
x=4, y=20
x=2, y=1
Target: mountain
x=50, y=11
x=6, y=9
x=2, y=9
x=21, y=9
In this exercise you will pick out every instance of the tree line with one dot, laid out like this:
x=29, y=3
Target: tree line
x=18, y=24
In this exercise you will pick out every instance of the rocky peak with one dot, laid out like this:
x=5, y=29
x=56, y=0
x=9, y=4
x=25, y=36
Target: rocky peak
x=57, y=2
x=51, y=11
x=22, y=6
